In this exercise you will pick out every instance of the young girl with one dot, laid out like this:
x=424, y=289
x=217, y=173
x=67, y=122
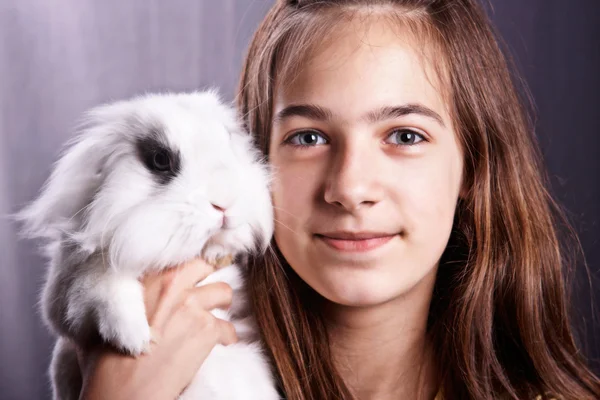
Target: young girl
x=416, y=251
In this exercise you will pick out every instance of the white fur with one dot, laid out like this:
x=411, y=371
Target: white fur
x=107, y=220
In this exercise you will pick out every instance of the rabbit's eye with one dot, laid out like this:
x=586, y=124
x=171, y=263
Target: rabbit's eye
x=161, y=161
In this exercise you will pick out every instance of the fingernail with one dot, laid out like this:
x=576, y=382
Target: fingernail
x=153, y=336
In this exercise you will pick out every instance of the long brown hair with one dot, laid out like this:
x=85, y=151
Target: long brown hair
x=499, y=317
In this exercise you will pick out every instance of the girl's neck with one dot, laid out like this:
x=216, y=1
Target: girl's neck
x=382, y=351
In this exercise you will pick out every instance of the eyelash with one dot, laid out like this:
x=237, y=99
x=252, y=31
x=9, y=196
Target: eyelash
x=409, y=131
x=397, y=130
x=300, y=133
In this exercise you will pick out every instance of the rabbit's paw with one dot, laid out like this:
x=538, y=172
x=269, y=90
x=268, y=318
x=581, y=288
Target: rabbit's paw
x=123, y=321
x=217, y=255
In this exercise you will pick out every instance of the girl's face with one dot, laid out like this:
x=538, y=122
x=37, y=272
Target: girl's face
x=367, y=168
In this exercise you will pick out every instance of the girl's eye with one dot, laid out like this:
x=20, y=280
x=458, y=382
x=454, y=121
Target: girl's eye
x=405, y=137
x=306, y=139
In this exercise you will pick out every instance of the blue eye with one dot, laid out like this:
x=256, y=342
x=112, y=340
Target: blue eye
x=306, y=139
x=405, y=137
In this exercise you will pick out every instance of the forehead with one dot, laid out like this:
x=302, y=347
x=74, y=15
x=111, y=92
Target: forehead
x=366, y=63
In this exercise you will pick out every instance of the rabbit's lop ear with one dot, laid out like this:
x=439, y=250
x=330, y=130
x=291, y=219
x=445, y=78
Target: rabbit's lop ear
x=75, y=178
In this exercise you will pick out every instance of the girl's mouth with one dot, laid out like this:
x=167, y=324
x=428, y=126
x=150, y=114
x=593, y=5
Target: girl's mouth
x=355, y=242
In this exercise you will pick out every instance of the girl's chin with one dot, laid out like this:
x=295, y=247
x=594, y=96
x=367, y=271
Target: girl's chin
x=361, y=290
x=366, y=287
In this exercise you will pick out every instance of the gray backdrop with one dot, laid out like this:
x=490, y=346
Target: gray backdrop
x=58, y=58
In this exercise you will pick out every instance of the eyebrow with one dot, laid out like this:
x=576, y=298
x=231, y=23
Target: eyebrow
x=309, y=111
x=312, y=111
x=384, y=113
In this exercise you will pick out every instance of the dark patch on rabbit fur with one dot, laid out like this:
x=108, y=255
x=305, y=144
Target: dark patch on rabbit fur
x=152, y=143
x=77, y=267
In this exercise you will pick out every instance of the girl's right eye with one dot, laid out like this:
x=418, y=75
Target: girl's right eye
x=306, y=139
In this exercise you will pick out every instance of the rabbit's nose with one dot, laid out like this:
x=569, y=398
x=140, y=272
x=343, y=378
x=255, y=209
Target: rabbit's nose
x=224, y=221
x=218, y=207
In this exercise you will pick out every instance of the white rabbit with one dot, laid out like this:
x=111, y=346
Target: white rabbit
x=149, y=183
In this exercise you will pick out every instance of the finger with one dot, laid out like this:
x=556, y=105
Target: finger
x=227, y=334
x=189, y=274
x=194, y=300
x=162, y=289
x=184, y=275
x=210, y=296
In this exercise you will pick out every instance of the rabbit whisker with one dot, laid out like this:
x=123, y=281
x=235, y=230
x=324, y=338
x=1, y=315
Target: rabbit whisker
x=285, y=226
x=285, y=211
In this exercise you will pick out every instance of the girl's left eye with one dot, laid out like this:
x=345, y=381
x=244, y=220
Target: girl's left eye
x=306, y=139
x=405, y=137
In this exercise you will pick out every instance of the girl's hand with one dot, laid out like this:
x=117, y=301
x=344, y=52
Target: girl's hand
x=184, y=331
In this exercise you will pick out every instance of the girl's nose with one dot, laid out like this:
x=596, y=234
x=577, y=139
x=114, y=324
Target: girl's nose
x=353, y=181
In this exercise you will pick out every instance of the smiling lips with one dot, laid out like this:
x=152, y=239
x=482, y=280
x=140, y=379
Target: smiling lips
x=355, y=241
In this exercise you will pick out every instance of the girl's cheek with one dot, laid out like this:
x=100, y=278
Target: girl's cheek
x=429, y=196
x=291, y=194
